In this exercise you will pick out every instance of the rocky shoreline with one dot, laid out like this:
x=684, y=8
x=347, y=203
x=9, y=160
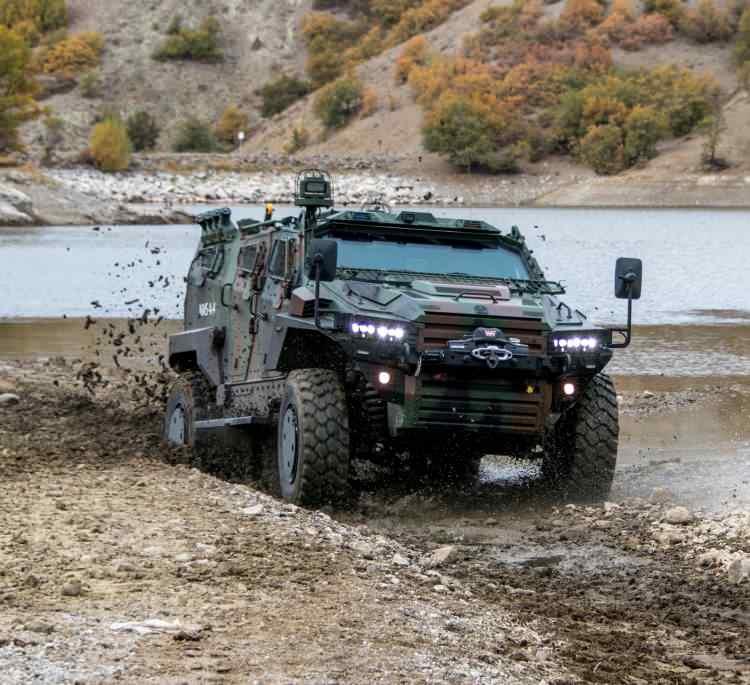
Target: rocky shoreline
x=120, y=561
x=159, y=190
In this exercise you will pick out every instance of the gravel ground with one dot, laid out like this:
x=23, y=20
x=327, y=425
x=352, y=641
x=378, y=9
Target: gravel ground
x=120, y=563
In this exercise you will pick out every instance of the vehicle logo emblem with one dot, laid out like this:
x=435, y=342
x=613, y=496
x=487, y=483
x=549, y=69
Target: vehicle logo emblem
x=480, y=309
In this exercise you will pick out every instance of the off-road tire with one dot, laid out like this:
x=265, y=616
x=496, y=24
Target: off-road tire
x=581, y=453
x=192, y=393
x=317, y=399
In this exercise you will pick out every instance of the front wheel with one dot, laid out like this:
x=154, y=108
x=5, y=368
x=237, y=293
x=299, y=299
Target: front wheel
x=313, y=439
x=188, y=402
x=581, y=451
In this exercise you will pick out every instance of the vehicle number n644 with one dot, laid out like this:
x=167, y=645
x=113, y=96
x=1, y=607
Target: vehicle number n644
x=206, y=309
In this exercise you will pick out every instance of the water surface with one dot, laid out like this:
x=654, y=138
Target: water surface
x=695, y=263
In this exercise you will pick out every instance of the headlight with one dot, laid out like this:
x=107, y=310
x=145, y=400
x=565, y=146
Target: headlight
x=586, y=342
x=381, y=331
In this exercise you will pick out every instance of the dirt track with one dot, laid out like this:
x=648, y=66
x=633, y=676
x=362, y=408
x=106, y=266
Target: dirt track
x=99, y=527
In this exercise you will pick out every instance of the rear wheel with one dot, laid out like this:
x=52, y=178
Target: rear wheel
x=313, y=439
x=581, y=452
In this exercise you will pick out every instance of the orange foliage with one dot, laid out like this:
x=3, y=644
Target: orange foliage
x=598, y=110
x=415, y=52
x=581, y=14
x=74, y=54
x=369, y=102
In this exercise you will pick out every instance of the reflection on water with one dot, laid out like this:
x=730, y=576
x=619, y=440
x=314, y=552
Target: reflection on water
x=686, y=351
x=695, y=263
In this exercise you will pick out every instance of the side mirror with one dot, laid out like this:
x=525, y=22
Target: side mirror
x=628, y=278
x=324, y=253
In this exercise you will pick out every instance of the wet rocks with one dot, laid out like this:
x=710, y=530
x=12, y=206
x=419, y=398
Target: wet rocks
x=8, y=398
x=400, y=560
x=679, y=516
x=15, y=207
x=739, y=570
x=439, y=557
x=660, y=496
x=72, y=588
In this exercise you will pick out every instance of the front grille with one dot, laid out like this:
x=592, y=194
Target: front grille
x=498, y=404
x=440, y=328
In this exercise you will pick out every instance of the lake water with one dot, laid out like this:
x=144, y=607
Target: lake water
x=696, y=263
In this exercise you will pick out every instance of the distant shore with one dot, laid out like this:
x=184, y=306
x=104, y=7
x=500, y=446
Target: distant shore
x=159, y=191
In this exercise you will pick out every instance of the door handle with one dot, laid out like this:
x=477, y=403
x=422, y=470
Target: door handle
x=223, y=290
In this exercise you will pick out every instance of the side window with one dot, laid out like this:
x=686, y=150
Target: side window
x=291, y=254
x=278, y=259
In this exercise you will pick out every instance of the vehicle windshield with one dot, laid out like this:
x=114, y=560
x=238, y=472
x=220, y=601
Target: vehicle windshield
x=463, y=259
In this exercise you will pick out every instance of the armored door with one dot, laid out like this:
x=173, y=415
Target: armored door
x=282, y=272
x=245, y=296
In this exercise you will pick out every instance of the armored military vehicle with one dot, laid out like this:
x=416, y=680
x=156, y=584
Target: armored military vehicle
x=332, y=335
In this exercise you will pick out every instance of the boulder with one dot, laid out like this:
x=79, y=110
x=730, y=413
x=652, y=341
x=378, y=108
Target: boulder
x=678, y=516
x=440, y=556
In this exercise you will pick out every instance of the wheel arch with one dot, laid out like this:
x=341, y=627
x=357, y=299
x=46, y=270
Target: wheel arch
x=308, y=349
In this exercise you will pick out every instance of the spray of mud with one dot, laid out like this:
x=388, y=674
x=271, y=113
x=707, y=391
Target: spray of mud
x=127, y=357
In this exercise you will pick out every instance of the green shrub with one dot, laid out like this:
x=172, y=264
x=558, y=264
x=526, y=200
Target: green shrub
x=475, y=134
x=742, y=46
x=46, y=15
x=232, y=121
x=671, y=9
x=460, y=131
x=110, y=146
x=193, y=135
x=327, y=39
x=281, y=93
x=743, y=75
x=201, y=44
x=568, y=118
x=300, y=139
x=644, y=127
x=339, y=101
x=602, y=149
x=91, y=84
x=143, y=131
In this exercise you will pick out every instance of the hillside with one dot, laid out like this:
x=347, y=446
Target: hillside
x=265, y=39
x=258, y=39
x=395, y=127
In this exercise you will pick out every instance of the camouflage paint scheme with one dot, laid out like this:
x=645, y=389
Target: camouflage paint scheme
x=249, y=321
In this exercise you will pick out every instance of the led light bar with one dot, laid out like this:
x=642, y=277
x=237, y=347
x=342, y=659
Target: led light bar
x=367, y=329
x=576, y=344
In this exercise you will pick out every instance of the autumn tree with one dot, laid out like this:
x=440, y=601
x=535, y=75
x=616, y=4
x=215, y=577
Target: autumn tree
x=232, y=121
x=143, y=131
x=643, y=128
x=602, y=149
x=713, y=127
x=339, y=101
x=706, y=23
x=73, y=55
x=280, y=93
x=16, y=87
x=109, y=145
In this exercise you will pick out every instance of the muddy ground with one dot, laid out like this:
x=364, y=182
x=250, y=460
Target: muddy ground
x=119, y=563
